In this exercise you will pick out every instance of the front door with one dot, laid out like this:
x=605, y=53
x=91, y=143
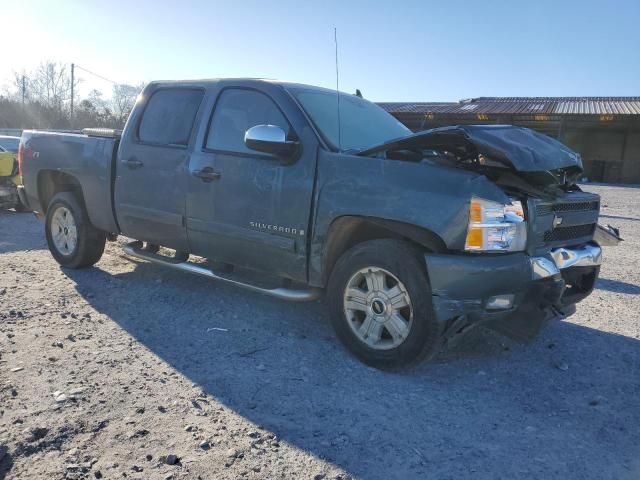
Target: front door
x=151, y=182
x=253, y=209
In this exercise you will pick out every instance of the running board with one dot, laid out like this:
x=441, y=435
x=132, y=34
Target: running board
x=135, y=250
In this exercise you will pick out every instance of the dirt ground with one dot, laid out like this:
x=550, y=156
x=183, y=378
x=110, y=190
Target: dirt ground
x=129, y=370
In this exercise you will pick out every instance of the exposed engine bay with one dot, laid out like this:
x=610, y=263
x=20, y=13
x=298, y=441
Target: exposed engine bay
x=518, y=159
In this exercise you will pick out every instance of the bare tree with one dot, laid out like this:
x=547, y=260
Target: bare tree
x=47, y=101
x=50, y=84
x=19, y=82
x=123, y=98
x=98, y=102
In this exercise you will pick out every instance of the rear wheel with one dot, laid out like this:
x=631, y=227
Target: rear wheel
x=73, y=241
x=381, y=304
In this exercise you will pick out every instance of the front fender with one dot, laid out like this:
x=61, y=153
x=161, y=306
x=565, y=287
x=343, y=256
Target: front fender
x=432, y=197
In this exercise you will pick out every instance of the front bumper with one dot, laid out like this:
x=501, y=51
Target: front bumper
x=515, y=291
x=589, y=255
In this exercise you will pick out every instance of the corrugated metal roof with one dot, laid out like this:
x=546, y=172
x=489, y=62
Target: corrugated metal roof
x=416, y=107
x=524, y=106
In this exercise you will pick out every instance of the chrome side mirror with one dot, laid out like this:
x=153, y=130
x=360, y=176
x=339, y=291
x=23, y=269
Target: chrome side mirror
x=269, y=139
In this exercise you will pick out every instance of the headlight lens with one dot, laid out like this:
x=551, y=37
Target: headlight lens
x=494, y=227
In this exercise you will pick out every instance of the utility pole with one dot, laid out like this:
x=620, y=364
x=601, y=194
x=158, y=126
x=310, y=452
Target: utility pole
x=72, y=92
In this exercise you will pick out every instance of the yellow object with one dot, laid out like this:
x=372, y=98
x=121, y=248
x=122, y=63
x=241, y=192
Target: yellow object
x=7, y=161
x=475, y=212
x=475, y=238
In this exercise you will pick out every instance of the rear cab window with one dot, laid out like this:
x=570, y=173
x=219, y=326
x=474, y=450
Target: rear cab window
x=169, y=117
x=235, y=112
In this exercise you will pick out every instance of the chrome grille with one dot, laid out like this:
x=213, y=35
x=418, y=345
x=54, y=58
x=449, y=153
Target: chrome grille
x=569, y=233
x=569, y=220
x=547, y=208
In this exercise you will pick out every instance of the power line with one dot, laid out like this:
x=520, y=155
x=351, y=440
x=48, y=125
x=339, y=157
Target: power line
x=96, y=75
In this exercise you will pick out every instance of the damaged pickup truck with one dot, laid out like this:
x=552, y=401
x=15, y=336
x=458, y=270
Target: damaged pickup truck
x=292, y=191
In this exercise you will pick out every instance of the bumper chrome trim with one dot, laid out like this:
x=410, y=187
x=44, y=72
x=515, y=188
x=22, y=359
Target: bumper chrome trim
x=586, y=256
x=543, y=267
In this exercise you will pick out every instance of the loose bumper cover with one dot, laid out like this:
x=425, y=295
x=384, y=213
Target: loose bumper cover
x=516, y=292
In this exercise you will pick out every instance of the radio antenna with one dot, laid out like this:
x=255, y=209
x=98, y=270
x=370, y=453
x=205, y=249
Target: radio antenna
x=335, y=39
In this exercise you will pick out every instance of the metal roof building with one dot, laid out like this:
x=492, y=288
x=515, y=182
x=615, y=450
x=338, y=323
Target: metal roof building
x=605, y=130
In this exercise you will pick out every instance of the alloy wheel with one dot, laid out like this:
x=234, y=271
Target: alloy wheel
x=378, y=308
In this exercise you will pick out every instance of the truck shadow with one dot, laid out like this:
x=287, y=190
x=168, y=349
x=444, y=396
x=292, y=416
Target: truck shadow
x=565, y=406
x=20, y=231
x=617, y=286
x=6, y=461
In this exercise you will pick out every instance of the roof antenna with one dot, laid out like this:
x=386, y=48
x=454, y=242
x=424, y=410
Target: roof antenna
x=335, y=39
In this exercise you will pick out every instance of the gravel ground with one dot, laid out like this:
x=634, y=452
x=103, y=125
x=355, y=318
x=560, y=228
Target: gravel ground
x=131, y=370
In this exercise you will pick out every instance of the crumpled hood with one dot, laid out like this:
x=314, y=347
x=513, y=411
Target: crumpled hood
x=521, y=148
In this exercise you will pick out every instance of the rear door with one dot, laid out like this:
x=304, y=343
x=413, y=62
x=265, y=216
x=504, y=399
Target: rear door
x=255, y=213
x=151, y=182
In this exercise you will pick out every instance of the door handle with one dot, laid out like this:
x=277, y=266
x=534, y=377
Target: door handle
x=206, y=174
x=133, y=162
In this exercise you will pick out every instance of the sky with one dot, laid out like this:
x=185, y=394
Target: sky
x=391, y=50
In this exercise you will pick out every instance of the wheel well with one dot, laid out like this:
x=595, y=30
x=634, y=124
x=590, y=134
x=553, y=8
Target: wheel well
x=51, y=182
x=348, y=231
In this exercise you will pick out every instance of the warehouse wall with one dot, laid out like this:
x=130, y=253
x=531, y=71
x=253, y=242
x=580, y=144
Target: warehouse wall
x=609, y=154
x=631, y=160
x=602, y=152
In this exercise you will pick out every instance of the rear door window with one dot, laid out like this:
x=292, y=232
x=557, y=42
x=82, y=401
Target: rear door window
x=169, y=117
x=236, y=111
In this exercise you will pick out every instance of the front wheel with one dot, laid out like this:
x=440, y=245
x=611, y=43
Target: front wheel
x=73, y=241
x=381, y=304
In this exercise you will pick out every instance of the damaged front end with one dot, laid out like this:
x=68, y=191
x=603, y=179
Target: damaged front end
x=607, y=236
x=514, y=155
x=514, y=294
x=513, y=290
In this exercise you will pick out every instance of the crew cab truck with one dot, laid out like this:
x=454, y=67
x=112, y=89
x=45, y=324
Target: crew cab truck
x=415, y=238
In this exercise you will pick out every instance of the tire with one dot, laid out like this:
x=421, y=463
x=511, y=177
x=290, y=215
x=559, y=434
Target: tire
x=417, y=337
x=64, y=212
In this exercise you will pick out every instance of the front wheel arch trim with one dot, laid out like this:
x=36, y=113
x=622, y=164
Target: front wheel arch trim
x=349, y=230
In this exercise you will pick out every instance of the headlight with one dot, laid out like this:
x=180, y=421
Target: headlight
x=494, y=227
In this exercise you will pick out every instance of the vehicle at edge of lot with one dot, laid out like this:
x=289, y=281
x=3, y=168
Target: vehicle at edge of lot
x=294, y=191
x=9, y=143
x=9, y=177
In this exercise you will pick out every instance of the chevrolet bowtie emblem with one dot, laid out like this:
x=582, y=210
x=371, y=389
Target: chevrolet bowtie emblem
x=557, y=221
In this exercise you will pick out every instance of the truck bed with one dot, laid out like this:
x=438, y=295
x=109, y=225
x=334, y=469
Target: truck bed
x=89, y=159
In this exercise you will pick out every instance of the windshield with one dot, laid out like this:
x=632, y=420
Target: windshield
x=363, y=124
x=10, y=144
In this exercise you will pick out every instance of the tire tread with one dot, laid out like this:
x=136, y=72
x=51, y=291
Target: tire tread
x=404, y=260
x=91, y=241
